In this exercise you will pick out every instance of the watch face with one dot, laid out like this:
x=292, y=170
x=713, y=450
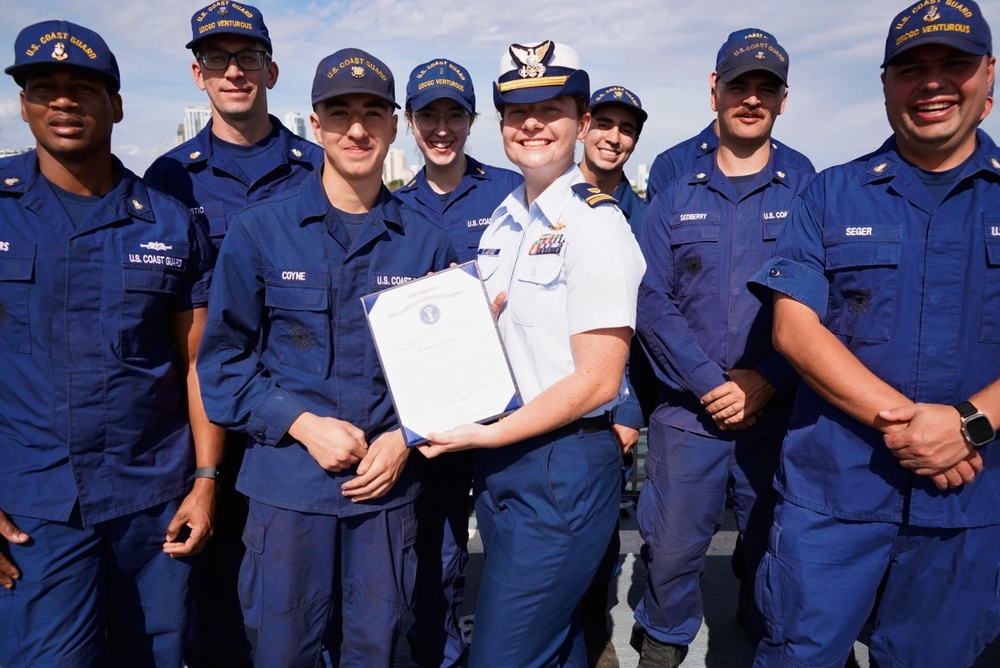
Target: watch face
x=980, y=430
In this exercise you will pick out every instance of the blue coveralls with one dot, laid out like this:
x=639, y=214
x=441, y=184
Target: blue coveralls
x=697, y=320
x=287, y=334
x=215, y=185
x=690, y=154
x=95, y=445
x=547, y=506
x=912, y=288
x=436, y=638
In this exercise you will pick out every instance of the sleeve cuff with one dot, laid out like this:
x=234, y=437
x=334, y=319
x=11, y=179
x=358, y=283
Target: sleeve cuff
x=271, y=423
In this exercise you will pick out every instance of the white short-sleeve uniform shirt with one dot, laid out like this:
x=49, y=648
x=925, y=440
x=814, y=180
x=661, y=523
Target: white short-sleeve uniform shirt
x=568, y=267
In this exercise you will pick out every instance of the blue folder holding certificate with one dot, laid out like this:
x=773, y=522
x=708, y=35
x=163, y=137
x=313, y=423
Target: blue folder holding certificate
x=441, y=352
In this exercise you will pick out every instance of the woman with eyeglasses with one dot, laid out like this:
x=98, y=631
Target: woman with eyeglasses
x=548, y=476
x=459, y=194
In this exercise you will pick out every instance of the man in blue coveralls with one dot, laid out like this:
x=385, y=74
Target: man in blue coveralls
x=886, y=292
x=679, y=159
x=243, y=155
x=609, y=137
x=726, y=394
x=103, y=284
x=288, y=358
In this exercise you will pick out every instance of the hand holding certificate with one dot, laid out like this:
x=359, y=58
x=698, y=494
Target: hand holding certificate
x=441, y=352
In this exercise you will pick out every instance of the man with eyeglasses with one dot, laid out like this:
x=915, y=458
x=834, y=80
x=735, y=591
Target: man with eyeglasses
x=243, y=155
x=458, y=193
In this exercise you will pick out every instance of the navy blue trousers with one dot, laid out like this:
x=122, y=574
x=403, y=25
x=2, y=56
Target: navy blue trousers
x=817, y=586
x=97, y=596
x=546, y=508
x=681, y=506
x=311, y=582
x=436, y=638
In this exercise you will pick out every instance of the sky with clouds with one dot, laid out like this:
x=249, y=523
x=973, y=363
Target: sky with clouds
x=664, y=51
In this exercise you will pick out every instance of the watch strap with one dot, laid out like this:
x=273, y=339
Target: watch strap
x=966, y=409
x=207, y=472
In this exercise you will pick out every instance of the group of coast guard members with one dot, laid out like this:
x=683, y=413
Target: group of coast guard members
x=200, y=462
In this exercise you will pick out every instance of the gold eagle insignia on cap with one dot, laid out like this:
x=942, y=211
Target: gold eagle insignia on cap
x=13, y=180
x=59, y=52
x=760, y=55
x=932, y=14
x=223, y=10
x=357, y=72
x=531, y=58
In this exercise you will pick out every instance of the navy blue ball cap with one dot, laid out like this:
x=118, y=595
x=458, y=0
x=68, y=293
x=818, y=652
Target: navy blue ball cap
x=541, y=72
x=751, y=50
x=440, y=78
x=228, y=18
x=959, y=25
x=353, y=71
x=63, y=44
x=622, y=97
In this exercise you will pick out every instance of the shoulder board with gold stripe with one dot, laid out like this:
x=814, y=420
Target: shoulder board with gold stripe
x=592, y=195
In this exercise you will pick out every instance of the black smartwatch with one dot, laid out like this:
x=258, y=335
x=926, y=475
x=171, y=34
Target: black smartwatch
x=976, y=427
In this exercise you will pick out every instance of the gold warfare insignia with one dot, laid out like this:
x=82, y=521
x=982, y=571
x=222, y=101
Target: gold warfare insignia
x=531, y=58
x=138, y=205
x=557, y=226
x=995, y=163
x=879, y=168
x=760, y=55
x=932, y=14
x=194, y=154
x=59, y=52
x=357, y=71
x=12, y=180
x=297, y=153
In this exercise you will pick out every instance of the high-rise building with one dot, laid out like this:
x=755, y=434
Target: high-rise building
x=394, y=168
x=641, y=178
x=296, y=122
x=195, y=118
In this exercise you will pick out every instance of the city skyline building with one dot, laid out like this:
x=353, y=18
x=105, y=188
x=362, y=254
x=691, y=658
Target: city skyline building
x=195, y=118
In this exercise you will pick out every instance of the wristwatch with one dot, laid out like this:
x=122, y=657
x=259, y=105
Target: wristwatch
x=976, y=427
x=213, y=471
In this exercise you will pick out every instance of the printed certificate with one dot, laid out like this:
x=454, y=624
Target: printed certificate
x=441, y=352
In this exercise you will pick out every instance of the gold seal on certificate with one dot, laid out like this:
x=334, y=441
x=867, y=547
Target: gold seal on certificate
x=441, y=352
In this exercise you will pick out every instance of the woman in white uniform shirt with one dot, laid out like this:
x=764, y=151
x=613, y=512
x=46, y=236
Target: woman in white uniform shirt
x=548, y=476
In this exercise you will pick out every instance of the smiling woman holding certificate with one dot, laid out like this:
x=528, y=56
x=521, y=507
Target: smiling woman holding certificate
x=548, y=476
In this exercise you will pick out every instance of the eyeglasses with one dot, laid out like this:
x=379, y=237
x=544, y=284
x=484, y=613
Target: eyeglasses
x=428, y=120
x=250, y=60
